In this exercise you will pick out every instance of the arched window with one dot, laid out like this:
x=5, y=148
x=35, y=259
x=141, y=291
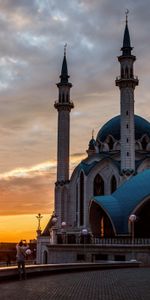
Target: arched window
x=102, y=226
x=45, y=258
x=110, y=143
x=98, y=185
x=144, y=143
x=142, y=224
x=63, y=97
x=67, y=97
x=122, y=72
x=113, y=184
x=81, y=199
x=126, y=72
x=77, y=206
x=131, y=73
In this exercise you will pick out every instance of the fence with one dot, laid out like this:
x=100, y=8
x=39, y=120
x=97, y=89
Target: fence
x=120, y=241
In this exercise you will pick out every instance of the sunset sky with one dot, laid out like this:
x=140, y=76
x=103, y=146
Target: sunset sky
x=32, y=38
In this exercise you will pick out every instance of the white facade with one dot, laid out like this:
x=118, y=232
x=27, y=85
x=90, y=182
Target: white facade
x=120, y=151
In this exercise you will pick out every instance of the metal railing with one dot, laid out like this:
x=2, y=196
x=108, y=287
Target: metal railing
x=125, y=78
x=121, y=241
x=104, y=241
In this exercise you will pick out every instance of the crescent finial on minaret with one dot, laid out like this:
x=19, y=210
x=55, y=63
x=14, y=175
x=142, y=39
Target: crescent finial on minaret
x=126, y=13
x=93, y=134
x=65, y=47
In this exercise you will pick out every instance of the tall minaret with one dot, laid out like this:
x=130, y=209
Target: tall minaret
x=63, y=106
x=127, y=82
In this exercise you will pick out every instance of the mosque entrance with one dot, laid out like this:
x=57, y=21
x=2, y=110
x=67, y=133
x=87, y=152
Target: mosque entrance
x=45, y=257
x=142, y=223
x=100, y=223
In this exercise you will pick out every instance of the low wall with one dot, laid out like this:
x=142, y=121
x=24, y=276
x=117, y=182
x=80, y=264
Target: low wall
x=11, y=273
x=96, y=253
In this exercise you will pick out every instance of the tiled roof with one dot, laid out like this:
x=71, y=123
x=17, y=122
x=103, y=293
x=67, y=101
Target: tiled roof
x=125, y=199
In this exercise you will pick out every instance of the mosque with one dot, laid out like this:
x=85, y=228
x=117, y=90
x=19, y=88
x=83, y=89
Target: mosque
x=112, y=183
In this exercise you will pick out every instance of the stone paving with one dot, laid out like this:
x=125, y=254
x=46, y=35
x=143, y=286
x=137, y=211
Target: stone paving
x=118, y=284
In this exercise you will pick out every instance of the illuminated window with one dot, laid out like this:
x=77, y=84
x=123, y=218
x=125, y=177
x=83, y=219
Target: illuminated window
x=102, y=227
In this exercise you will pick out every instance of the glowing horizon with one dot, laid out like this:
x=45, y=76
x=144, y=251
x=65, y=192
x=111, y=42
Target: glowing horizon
x=11, y=232
x=24, y=219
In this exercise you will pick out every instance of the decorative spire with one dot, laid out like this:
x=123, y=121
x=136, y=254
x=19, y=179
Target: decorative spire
x=126, y=39
x=39, y=217
x=126, y=13
x=65, y=48
x=92, y=145
x=93, y=134
x=64, y=71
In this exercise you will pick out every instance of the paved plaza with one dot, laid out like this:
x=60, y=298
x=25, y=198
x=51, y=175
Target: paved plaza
x=118, y=284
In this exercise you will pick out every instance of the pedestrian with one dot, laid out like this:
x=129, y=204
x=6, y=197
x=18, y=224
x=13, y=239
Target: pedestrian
x=21, y=248
x=8, y=260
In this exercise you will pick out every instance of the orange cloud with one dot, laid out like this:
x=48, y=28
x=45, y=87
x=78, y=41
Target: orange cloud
x=30, y=190
x=15, y=228
x=40, y=170
x=25, y=192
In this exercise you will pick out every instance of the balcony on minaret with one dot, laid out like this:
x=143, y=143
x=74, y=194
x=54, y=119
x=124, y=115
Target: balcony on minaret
x=127, y=81
x=64, y=86
x=64, y=96
x=63, y=105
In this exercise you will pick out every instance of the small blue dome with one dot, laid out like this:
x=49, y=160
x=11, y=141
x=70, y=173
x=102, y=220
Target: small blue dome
x=112, y=127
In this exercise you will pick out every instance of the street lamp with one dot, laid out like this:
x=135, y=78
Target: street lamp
x=39, y=217
x=53, y=230
x=132, y=219
x=63, y=232
x=84, y=233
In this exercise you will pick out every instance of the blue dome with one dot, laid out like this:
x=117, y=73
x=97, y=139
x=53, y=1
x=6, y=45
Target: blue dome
x=112, y=127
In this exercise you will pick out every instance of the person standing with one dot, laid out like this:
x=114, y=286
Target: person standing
x=21, y=248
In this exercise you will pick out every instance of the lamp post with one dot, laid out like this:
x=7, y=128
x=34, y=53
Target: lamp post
x=132, y=219
x=53, y=230
x=39, y=217
x=84, y=233
x=63, y=232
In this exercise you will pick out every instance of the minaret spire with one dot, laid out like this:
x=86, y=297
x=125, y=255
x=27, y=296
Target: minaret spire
x=92, y=133
x=127, y=83
x=63, y=106
x=64, y=71
x=126, y=13
x=65, y=48
x=126, y=49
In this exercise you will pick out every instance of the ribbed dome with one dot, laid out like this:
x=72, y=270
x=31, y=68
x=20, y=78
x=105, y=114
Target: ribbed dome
x=112, y=127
